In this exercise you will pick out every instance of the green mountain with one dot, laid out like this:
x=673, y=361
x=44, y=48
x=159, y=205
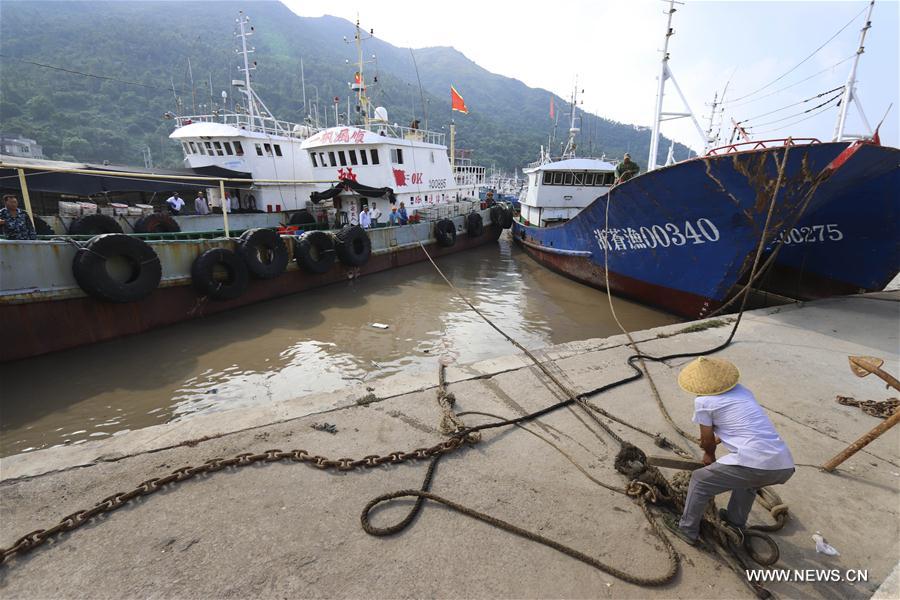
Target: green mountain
x=92, y=80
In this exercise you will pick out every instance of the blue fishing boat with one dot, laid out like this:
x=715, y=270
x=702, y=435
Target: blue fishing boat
x=681, y=237
x=850, y=244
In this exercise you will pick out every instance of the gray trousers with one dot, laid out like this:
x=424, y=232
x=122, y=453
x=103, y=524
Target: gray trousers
x=717, y=478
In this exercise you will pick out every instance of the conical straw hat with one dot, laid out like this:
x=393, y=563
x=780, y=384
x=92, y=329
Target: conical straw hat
x=708, y=376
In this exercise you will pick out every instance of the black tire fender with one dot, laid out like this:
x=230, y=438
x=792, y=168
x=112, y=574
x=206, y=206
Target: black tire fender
x=264, y=252
x=41, y=227
x=474, y=224
x=303, y=217
x=314, y=252
x=94, y=225
x=354, y=246
x=507, y=219
x=204, y=274
x=93, y=276
x=496, y=215
x=156, y=223
x=445, y=232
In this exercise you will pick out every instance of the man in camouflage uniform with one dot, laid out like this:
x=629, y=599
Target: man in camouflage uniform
x=14, y=223
x=626, y=169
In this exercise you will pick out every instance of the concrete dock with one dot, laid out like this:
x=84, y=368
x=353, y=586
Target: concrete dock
x=288, y=530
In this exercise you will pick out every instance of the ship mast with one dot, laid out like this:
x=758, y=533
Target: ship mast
x=243, y=20
x=569, y=151
x=359, y=80
x=664, y=74
x=849, y=94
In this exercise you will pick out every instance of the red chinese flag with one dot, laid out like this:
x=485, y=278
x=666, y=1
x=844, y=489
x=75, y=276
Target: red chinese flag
x=457, y=102
x=551, y=108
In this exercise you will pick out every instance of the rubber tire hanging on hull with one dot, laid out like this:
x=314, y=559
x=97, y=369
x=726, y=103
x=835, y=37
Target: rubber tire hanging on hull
x=264, y=252
x=314, y=252
x=474, y=224
x=445, y=232
x=497, y=215
x=302, y=217
x=94, y=225
x=354, y=246
x=156, y=223
x=507, y=220
x=91, y=273
x=41, y=227
x=203, y=274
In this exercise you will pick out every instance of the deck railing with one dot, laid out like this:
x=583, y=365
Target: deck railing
x=760, y=144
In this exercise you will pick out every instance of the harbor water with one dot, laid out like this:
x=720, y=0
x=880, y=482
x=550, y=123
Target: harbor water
x=311, y=342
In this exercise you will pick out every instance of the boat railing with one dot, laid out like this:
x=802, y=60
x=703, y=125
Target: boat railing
x=406, y=133
x=761, y=144
x=258, y=123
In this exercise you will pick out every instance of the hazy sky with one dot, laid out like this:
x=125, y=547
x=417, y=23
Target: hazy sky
x=613, y=47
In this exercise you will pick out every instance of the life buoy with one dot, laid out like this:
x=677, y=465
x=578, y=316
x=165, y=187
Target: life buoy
x=94, y=225
x=354, y=246
x=474, y=224
x=156, y=223
x=445, y=232
x=138, y=275
x=208, y=281
x=264, y=252
x=314, y=252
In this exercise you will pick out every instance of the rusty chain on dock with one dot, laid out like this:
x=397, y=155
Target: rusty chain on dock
x=32, y=540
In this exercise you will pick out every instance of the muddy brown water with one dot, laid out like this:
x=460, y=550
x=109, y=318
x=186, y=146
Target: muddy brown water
x=316, y=341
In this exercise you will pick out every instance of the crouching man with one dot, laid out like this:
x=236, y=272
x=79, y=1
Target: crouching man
x=727, y=412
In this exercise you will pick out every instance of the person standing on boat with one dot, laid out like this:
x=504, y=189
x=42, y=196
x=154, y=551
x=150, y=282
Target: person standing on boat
x=375, y=214
x=200, y=205
x=175, y=203
x=14, y=223
x=365, y=220
x=728, y=413
x=626, y=169
x=394, y=217
x=404, y=218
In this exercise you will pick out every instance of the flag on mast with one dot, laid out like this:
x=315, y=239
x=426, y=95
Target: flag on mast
x=551, y=108
x=457, y=102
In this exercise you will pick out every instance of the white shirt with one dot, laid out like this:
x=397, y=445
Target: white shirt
x=745, y=430
x=365, y=221
x=375, y=214
x=175, y=202
x=200, y=206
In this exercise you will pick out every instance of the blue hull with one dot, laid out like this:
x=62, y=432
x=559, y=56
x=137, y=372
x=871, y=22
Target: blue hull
x=680, y=237
x=851, y=244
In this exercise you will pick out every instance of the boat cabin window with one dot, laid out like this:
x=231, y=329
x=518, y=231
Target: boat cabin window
x=331, y=159
x=432, y=156
x=268, y=149
x=218, y=147
x=548, y=178
x=277, y=149
x=374, y=152
x=342, y=157
x=209, y=148
x=312, y=155
x=193, y=147
x=558, y=178
x=227, y=148
x=568, y=179
x=589, y=178
x=258, y=150
x=352, y=154
x=397, y=156
x=607, y=179
x=184, y=147
x=363, y=157
x=238, y=149
x=579, y=179
x=201, y=149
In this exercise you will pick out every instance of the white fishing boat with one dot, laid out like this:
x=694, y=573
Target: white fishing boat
x=558, y=188
x=250, y=139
